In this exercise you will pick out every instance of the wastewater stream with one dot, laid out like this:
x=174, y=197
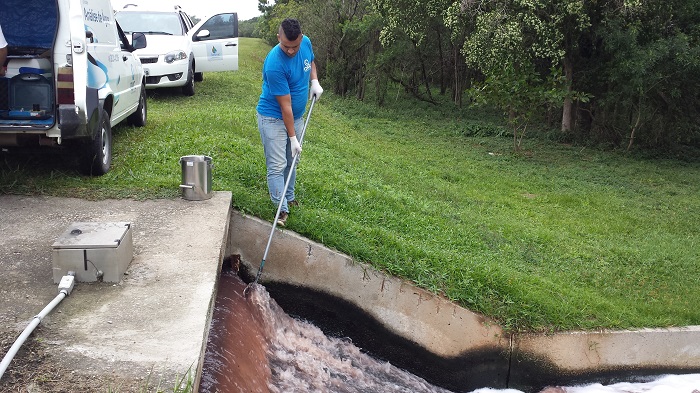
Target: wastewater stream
x=254, y=346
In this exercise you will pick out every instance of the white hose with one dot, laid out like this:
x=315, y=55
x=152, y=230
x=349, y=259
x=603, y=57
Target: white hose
x=65, y=288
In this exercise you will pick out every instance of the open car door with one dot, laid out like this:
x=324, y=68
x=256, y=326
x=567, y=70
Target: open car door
x=215, y=43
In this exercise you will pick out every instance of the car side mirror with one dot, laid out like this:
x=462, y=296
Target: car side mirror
x=138, y=40
x=203, y=34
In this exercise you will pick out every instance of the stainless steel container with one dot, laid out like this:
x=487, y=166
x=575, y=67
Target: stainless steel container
x=196, y=177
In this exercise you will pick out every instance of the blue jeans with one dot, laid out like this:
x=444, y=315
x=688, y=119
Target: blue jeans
x=278, y=157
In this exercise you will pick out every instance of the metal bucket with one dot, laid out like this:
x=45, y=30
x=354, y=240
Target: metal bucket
x=196, y=177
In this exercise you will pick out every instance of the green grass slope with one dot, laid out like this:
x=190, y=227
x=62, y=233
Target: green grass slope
x=554, y=237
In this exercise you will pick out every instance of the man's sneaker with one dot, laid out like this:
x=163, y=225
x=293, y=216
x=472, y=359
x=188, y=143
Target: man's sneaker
x=293, y=203
x=282, y=219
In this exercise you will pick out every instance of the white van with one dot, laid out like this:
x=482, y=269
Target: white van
x=71, y=76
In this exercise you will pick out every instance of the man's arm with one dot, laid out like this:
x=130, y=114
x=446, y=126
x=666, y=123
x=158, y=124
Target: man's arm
x=3, y=57
x=313, y=75
x=315, y=90
x=285, y=103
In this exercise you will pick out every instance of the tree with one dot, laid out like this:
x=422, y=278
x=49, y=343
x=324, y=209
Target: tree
x=274, y=15
x=428, y=56
x=249, y=28
x=526, y=44
x=616, y=71
x=647, y=79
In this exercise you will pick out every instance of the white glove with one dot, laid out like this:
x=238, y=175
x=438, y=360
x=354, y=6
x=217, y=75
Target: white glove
x=315, y=89
x=296, y=147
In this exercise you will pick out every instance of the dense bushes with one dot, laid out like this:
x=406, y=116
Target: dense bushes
x=622, y=72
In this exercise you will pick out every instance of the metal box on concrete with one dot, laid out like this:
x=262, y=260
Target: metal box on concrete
x=93, y=250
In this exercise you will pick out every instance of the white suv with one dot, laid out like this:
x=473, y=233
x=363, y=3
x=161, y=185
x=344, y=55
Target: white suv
x=178, y=51
x=71, y=76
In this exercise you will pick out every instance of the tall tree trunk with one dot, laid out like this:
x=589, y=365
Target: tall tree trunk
x=443, y=83
x=567, y=113
x=424, y=73
x=459, y=75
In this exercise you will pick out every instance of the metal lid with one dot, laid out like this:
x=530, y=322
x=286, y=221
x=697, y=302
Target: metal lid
x=92, y=235
x=195, y=158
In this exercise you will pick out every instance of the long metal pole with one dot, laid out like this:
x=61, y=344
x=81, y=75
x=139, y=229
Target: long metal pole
x=284, y=191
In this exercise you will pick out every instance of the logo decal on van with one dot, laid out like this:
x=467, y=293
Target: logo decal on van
x=97, y=73
x=214, y=52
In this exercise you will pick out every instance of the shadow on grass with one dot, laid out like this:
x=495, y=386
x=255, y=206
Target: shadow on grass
x=33, y=161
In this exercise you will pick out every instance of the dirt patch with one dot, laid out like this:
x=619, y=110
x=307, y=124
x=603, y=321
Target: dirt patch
x=37, y=369
x=34, y=369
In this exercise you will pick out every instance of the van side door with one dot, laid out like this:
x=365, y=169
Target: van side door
x=112, y=70
x=215, y=43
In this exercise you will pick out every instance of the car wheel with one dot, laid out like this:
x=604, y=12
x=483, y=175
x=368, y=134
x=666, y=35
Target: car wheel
x=139, y=117
x=188, y=88
x=198, y=76
x=97, y=157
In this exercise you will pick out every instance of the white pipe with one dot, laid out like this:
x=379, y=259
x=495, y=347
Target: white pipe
x=65, y=288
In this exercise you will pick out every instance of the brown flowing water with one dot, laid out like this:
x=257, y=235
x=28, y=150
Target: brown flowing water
x=254, y=346
x=236, y=355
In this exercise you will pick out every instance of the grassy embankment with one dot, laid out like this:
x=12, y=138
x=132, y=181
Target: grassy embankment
x=554, y=237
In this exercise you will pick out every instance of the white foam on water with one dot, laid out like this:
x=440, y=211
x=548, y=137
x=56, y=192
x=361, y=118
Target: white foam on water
x=304, y=359
x=688, y=383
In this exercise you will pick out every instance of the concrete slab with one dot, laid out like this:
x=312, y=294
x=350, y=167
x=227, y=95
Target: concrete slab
x=154, y=321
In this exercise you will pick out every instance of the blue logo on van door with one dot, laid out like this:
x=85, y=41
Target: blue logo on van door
x=97, y=73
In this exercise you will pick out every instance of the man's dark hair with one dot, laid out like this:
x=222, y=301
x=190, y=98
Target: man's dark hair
x=291, y=28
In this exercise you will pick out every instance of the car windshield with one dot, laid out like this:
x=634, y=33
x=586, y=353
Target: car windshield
x=167, y=23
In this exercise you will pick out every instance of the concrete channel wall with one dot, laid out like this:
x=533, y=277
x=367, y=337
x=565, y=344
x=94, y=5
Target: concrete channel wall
x=450, y=332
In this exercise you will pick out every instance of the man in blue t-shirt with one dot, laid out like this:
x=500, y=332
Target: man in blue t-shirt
x=286, y=73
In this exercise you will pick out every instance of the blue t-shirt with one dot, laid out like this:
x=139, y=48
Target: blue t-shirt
x=284, y=75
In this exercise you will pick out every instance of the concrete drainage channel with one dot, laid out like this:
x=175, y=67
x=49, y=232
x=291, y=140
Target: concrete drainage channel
x=433, y=338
